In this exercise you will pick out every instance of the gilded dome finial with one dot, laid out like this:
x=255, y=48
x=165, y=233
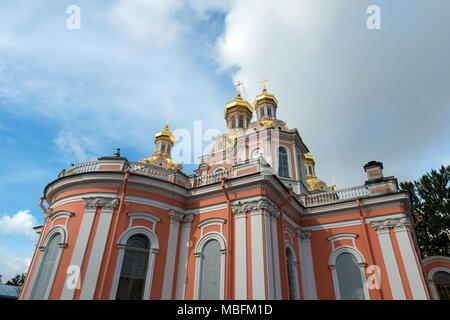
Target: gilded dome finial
x=263, y=82
x=238, y=85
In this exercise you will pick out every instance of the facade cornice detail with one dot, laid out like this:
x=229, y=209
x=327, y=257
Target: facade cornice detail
x=383, y=224
x=93, y=202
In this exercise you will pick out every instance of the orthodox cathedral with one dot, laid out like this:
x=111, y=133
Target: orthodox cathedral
x=253, y=222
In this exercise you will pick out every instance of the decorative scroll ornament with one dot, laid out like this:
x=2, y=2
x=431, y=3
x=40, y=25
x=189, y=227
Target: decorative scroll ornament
x=383, y=225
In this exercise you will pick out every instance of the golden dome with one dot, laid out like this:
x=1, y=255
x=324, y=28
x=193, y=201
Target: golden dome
x=309, y=158
x=238, y=103
x=155, y=159
x=165, y=134
x=315, y=184
x=265, y=96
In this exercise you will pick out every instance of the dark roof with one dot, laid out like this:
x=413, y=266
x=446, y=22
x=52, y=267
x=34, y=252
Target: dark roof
x=9, y=292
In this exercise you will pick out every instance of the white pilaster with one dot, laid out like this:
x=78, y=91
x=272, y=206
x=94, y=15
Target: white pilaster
x=268, y=248
x=276, y=255
x=306, y=265
x=175, y=219
x=409, y=260
x=258, y=278
x=183, y=257
x=240, y=252
x=395, y=281
x=98, y=249
x=79, y=250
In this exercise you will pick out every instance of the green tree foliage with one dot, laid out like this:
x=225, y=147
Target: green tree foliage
x=430, y=198
x=17, y=280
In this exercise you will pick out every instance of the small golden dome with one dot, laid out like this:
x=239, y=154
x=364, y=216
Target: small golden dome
x=238, y=103
x=165, y=134
x=309, y=158
x=265, y=96
x=316, y=184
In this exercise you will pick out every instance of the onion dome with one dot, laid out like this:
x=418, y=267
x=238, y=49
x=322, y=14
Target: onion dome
x=238, y=104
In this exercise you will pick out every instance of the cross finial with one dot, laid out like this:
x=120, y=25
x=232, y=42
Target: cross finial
x=168, y=118
x=263, y=81
x=237, y=85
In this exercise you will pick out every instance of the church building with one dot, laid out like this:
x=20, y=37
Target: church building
x=253, y=222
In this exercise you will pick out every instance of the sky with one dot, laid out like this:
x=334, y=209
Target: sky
x=72, y=92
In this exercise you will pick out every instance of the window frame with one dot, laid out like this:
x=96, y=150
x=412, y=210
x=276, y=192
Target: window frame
x=213, y=235
x=361, y=264
x=288, y=162
x=153, y=250
x=62, y=231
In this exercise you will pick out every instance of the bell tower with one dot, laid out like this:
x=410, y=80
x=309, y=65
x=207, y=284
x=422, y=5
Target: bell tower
x=164, y=140
x=238, y=113
x=265, y=104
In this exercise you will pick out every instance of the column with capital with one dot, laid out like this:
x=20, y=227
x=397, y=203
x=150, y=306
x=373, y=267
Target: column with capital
x=175, y=219
x=262, y=268
x=91, y=204
x=306, y=264
x=98, y=248
x=410, y=260
x=240, y=251
x=183, y=256
x=390, y=261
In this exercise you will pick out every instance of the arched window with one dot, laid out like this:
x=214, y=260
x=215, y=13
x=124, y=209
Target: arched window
x=210, y=271
x=241, y=122
x=299, y=164
x=163, y=147
x=283, y=166
x=262, y=112
x=46, y=268
x=134, y=269
x=441, y=281
x=269, y=111
x=291, y=274
x=349, y=277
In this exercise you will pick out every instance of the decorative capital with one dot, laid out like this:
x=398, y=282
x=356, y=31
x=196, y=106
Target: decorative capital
x=107, y=203
x=110, y=203
x=384, y=225
x=304, y=234
x=188, y=218
x=175, y=217
x=255, y=207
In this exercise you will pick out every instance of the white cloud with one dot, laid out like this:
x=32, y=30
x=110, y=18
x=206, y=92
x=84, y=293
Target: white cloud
x=21, y=223
x=12, y=264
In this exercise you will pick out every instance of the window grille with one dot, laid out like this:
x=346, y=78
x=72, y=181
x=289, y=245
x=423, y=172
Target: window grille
x=134, y=269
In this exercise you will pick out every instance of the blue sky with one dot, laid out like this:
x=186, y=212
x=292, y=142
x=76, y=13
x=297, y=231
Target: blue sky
x=355, y=95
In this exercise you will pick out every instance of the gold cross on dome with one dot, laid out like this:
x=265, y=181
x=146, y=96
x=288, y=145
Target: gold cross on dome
x=263, y=82
x=168, y=118
x=237, y=85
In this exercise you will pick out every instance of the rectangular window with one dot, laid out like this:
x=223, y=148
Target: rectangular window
x=233, y=123
x=262, y=112
x=241, y=122
x=269, y=112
